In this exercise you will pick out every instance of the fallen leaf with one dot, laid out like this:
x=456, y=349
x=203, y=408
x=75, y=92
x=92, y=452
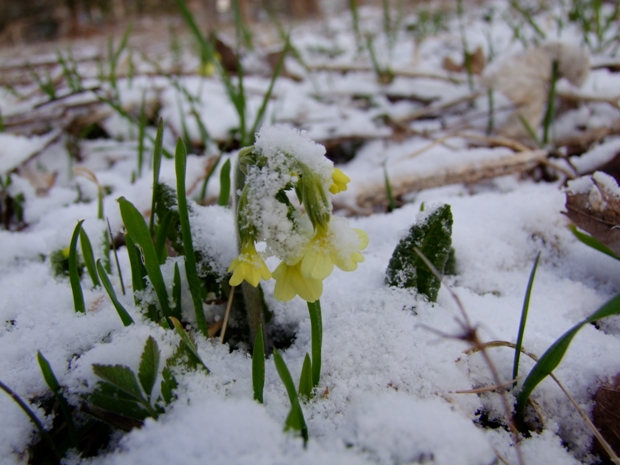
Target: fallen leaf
x=606, y=415
x=593, y=204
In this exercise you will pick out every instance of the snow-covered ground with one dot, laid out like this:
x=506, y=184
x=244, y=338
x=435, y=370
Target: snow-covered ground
x=392, y=361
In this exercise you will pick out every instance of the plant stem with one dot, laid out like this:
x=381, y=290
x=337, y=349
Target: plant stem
x=316, y=325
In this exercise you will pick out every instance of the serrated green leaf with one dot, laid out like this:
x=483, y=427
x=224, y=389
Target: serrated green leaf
x=168, y=385
x=109, y=398
x=189, y=344
x=149, y=365
x=433, y=237
x=554, y=354
x=74, y=275
x=89, y=257
x=137, y=229
x=180, y=159
x=258, y=365
x=105, y=280
x=120, y=377
x=305, y=380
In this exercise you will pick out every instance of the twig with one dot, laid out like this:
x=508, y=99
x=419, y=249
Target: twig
x=227, y=314
x=470, y=335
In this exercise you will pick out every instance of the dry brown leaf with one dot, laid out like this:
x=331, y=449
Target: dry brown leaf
x=477, y=60
x=593, y=204
x=606, y=414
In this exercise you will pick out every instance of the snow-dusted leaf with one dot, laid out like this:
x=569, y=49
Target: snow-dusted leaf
x=149, y=364
x=433, y=236
x=120, y=377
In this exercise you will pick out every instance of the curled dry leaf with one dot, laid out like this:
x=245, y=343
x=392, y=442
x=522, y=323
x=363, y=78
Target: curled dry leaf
x=477, y=62
x=606, y=414
x=593, y=204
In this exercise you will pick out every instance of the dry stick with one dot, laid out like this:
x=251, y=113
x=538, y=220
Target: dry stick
x=488, y=388
x=500, y=141
x=472, y=336
x=612, y=455
x=227, y=314
x=469, y=173
x=436, y=108
x=410, y=73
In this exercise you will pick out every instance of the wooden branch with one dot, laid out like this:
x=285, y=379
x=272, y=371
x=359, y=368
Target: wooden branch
x=468, y=173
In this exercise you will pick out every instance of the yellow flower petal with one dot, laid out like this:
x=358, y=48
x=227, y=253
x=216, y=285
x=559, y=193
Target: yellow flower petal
x=248, y=266
x=290, y=282
x=340, y=181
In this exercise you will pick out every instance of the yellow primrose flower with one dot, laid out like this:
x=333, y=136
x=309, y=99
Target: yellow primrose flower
x=340, y=181
x=339, y=245
x=248, y=266
x=290, y=282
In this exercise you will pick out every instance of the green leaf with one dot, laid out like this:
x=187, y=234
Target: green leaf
x=74, y=274
x=52, y=382
x=122, y=312
x=224, y=184
x=388, y=190
x=141, y=131
x=138, y=272
x=111, y=399
x=149, y=364
x=316, y=327
x=162, y=234
x=168, y=385
x=554, y=354
x=180, y=160
x=122, y=378
x=295, y=419
x=524, y=311
x=591, y=241
x=176, y=292
x=258, y=365
x=89, y=257
x=189, y=344
x=157, y=151
x=432, y=236
x=305, y=380
x=137, y=229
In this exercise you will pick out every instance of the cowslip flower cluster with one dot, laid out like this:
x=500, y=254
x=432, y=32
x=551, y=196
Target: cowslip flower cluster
x=285, y=185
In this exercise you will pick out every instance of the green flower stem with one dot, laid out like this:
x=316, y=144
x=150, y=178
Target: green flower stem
x=316, y=325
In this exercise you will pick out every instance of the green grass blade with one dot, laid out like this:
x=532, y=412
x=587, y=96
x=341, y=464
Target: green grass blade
x=52, y=382
x=157, y=152
x=203, y=191
x=524, y=312
x=267, y=97
x=295, y=419
x=176, y=292
x=89, y=257
x=224, y=184
x=180, y=160
x=118, y=265
x=188, y=342
x=258, y=365
x=141, y=132
x=554, y=354
x=162, y=235
x=206, y=49
x=105, y=280
x=74, y=274
x=149, y=365
x=388, y=190
x=550, y=112
x=28, y=411
x=316, y=327
x=593, y=242
x=528, y=17
x=138, y=272
x=530, y=131
x=139, y=233
x=305, y=380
